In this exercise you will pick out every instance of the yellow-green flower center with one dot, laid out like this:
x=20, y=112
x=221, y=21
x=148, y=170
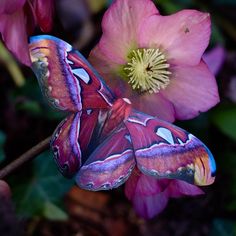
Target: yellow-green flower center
x=147, y=70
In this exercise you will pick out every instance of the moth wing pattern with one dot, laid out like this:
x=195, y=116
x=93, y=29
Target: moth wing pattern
x=164, y=150
x=65, y=76
x=66, y=149
x=110, y=164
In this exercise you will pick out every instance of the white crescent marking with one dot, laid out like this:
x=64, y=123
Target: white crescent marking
x=82, y=74
x=165, y=134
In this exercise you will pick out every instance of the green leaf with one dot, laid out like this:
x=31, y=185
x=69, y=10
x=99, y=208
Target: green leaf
x=226, y=167
x=216, y=36
x=53, y=212
x=223, y=227
x=32, y=107
x=44, y=188
x=30, y=99
x=168, y=6
x=2, y=142
x=224, y=119
x=231, y=205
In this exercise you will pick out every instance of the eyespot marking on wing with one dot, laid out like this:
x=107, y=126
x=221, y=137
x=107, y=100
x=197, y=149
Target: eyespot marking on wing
x=82, y=74
x=166, y=135
x=128, y=138
x=89, y=111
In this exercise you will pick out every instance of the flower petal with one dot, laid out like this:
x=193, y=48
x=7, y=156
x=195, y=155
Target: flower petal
x=105, y=67
x=154, y=104
x=192, y=90
x=150, y=206
x=147, y=194
x=183, y=36
x=14, y=35
x=44, y=13
x=178, y=188
x=214, y=59
x=120, y=24
x=131, y=183
x=30, y=18
x=109, y=72
x=9, y=7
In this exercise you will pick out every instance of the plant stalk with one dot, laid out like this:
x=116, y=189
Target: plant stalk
x=27, y=156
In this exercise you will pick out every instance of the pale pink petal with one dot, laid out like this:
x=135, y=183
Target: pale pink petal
x=105, y=67
x=44, y=12
x=152, y=104
x=120, y=24
x=192, y=90
x=183, y=36
x=214, y=59
x=109, y=72
x=14, y=35
x=155, y=105
x=178, y=188
x=10, y=6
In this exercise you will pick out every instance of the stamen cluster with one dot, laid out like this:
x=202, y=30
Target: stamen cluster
x=147, y=70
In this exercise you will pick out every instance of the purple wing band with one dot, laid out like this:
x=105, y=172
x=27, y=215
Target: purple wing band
x=109, y=165
x=65, y=146
x=66, y=77
x=55, y=77
x=167, y=151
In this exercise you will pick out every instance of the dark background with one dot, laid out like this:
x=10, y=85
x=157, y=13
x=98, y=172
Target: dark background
x=48, y=204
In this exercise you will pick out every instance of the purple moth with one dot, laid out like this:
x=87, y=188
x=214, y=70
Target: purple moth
x=103, y=138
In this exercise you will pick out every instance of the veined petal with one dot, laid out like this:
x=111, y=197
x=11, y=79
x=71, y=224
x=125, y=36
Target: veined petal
x=154, y=104
x=147, y=194
x=192, y=90
x=120, y=24
x=10, y=6
x=14, y=35
x=183, y=36
x=105, y=67
x=44, y=13
x=178, y=188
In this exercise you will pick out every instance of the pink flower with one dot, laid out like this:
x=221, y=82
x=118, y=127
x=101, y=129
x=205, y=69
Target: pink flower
x=156, y=61
x=150, y=196
x=18, y=18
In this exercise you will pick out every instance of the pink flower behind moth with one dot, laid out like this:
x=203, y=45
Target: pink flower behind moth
x=18, y=19
x=104, y=142
x=156, y=61
x=150, y=196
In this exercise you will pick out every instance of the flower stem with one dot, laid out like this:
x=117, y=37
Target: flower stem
x=27, y=156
